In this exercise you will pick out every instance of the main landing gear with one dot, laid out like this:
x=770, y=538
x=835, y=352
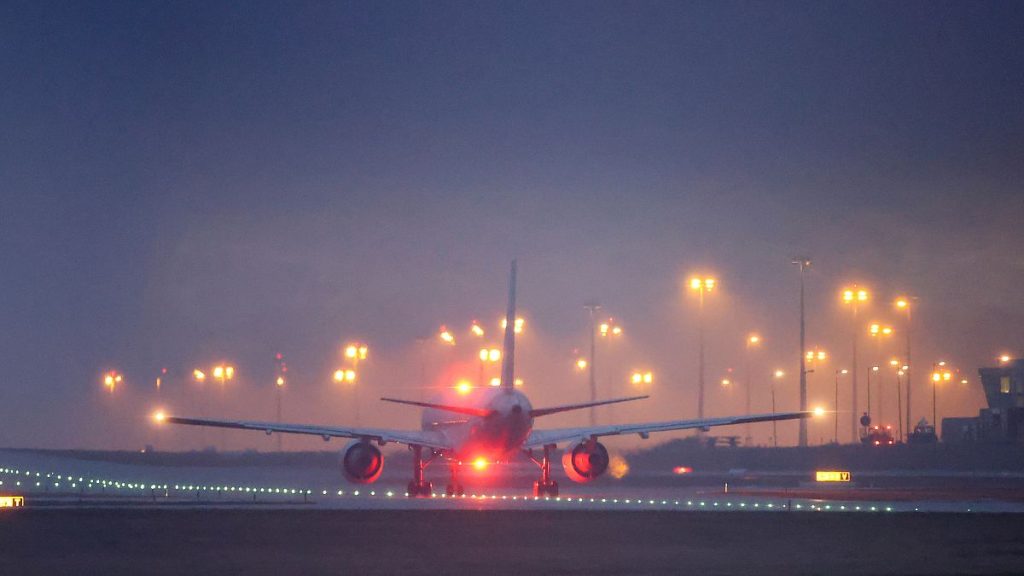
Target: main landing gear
x=454, y=488
x=545, y=486
x=418, y=487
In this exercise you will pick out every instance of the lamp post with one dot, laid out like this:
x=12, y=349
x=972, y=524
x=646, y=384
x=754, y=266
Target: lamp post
x=592, y=308
x=701, y=285
x=222, y=373
x=356, y=352
x=604, y=330
x=753, y=341
x=804, y=264
x=854, y=297
x=903, y=303
x=873, y=370
x=878, y=332
x=487, y=355
x=776, y=375
x=899, y=407
x=279, y=381
x=812, y=357
x=835, y=406
x=939, y=374
x=348, y=376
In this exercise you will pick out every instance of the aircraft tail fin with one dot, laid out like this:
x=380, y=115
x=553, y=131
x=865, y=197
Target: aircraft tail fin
x=508, y=352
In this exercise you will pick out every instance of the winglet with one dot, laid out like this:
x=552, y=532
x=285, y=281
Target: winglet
x=508, y=352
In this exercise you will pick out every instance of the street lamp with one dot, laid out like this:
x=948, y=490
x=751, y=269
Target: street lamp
x=640, y=377
x=903, y=304
x=804, y=264
x=517, y=327
x=812, y=358
x=939, y=374
x=279, y=382
x=878, y=332
x=111, y=380
x=223, y=373
x=776, y=375
x=835, y=434
x=753, y=342
x=487, y=355
x=476, y=329
x=854, y=297
x=446, y=336
x=701, y=285
x=606, y=329
x=874, y=370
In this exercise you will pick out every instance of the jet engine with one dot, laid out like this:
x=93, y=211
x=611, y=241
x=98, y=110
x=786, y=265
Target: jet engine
x=585, y=461
x=362, y=462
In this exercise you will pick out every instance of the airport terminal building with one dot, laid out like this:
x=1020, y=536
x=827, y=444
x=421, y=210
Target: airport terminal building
x=1003, y=420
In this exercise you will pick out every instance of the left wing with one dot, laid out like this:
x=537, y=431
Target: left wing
x=540, y=438
x=427, y=438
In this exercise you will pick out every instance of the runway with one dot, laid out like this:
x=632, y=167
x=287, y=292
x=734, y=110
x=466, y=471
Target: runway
x=56, y=481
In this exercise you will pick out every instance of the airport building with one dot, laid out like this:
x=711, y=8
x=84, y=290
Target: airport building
x=1003, y=420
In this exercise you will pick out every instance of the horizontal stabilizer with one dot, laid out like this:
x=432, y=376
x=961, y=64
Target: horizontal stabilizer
x=456, y=409
x=569, y=407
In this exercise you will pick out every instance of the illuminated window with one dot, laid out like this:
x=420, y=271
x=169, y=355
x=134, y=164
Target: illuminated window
x=1004, y=384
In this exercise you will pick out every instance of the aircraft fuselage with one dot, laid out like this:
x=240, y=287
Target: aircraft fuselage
x=494, y=437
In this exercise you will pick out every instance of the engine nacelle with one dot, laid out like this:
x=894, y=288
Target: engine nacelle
x=585, y=461
x=362, y=462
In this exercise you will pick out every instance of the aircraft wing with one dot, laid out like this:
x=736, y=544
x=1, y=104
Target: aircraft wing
x=426, y=438
x=539, y=438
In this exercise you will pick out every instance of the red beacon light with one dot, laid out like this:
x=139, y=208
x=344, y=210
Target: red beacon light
x=680, y=470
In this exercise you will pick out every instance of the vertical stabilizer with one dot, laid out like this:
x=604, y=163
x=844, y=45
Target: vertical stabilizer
x=508, y=351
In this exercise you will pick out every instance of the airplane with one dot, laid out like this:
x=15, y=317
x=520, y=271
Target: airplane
x=495, y=425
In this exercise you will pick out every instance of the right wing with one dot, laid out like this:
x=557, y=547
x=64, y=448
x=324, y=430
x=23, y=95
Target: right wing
x=556, y=436
x=427, y=438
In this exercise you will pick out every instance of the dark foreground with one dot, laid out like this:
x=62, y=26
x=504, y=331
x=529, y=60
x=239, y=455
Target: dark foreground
x=280, y=542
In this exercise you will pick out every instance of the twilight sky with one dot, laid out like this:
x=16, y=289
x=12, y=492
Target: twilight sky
x=186, y=182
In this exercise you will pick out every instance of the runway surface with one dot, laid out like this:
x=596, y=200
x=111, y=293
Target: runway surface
x=255, y=542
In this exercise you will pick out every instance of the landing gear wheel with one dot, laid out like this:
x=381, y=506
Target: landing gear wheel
x=549, y=488
x=420, y=490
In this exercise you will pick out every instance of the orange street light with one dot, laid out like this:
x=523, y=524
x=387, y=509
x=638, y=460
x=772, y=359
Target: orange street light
x=348, y=376
x=581, y=364
x=476, y=329
x=518, y=328
x=198, y=375
x=112, y=379
x=641, y=377
x=446, y=336
x=356, y=351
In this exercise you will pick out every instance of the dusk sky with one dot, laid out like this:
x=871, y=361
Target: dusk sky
x=188, y=182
